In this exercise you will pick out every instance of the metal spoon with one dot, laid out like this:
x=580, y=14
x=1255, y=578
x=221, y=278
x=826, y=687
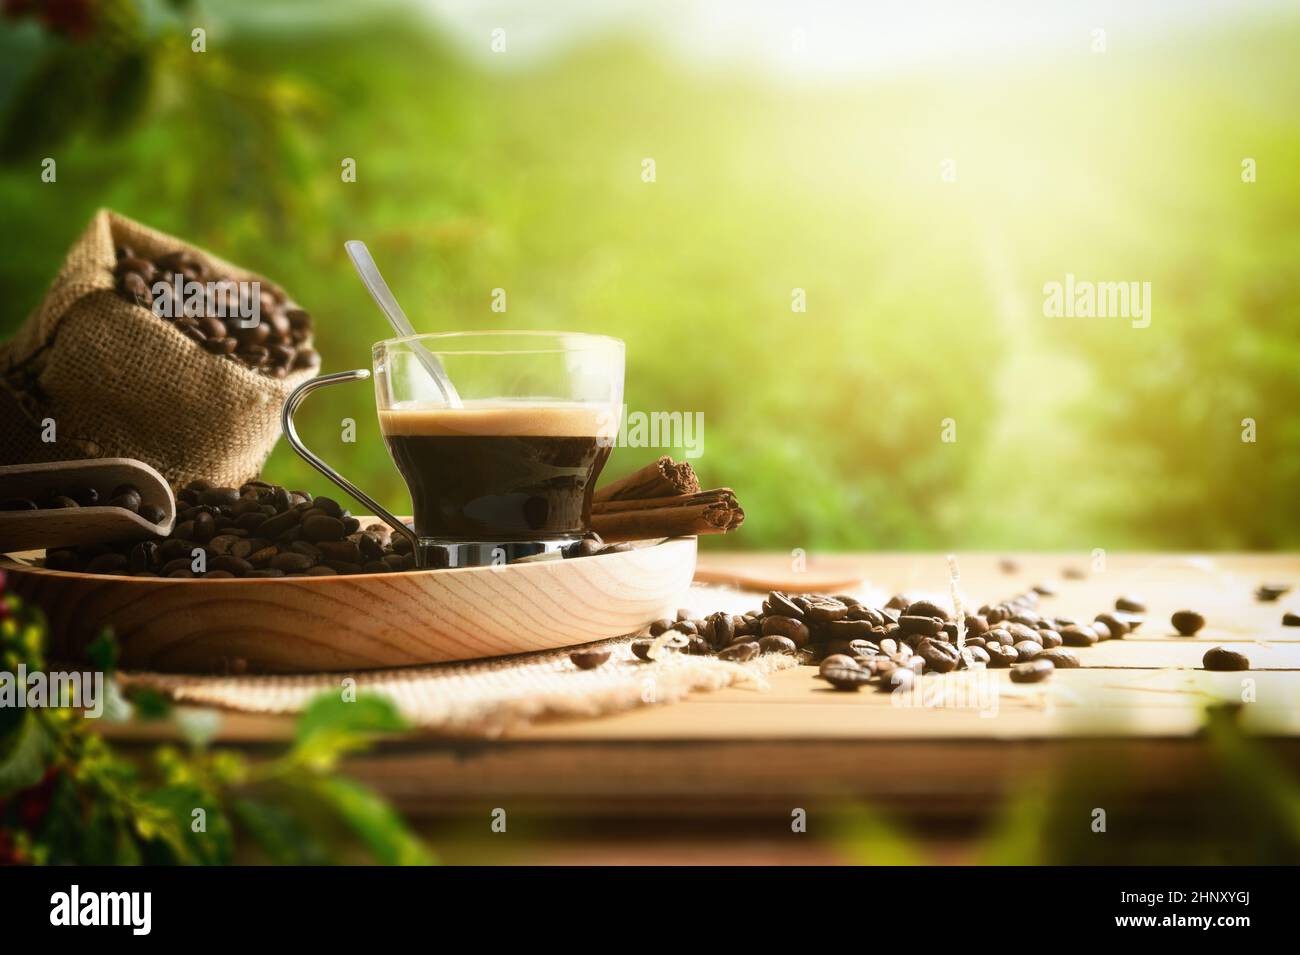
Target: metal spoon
x=383, y=296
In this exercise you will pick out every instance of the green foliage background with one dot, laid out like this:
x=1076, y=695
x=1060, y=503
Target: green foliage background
x=924, y=297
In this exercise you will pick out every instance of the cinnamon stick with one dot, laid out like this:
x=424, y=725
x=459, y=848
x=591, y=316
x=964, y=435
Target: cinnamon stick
x=706, y=512
x=661, y=478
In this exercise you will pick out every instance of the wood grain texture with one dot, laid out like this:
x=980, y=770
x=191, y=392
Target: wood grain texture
x=30, y=530
x=312, y=624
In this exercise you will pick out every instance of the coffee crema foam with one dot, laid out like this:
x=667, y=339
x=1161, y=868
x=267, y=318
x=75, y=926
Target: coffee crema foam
x=523, y=419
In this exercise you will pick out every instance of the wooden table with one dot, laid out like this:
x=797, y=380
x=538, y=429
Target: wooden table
x=715, y=778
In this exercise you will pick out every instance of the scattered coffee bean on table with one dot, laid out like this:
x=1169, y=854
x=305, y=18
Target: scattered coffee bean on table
x=1268, y=592
x=1187, y=622
x=1032, y=671
x=1291, y=619
x=1130, y=604
x=1221, y=658
x=589, y=659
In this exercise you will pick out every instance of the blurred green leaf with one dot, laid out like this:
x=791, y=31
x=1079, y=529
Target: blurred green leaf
x=279, y=833
x=22, y=758
x=374, y=821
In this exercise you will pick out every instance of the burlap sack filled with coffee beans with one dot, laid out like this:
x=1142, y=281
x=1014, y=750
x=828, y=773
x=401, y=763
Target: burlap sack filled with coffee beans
x=118, y=380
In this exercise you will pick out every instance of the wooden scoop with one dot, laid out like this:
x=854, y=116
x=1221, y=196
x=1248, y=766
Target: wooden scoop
x=73, y=526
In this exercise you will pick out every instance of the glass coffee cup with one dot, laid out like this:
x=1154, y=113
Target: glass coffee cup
x=502, y=464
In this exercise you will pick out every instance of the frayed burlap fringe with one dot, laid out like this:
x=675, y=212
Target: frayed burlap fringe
x=120, y=382
x=486, y=697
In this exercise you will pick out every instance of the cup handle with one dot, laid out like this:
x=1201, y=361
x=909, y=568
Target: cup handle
x=286, y=419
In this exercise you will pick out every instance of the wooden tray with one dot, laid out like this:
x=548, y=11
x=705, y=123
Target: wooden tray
x=310, y=624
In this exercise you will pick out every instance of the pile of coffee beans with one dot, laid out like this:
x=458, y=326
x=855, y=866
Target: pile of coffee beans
x=258, y=530
x=278, y=343
x=855, y=644
x=124, y=495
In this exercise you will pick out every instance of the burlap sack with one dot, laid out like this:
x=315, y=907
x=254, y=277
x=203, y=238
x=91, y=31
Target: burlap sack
x=118, y=381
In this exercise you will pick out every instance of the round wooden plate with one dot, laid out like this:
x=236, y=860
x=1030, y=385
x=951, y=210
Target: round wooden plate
x=310, y=624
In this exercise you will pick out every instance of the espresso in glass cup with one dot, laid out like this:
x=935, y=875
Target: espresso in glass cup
x=506, y=465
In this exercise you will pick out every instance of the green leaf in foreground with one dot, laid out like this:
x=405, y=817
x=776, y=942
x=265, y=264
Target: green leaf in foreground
x=331, y=727
x=374, y=821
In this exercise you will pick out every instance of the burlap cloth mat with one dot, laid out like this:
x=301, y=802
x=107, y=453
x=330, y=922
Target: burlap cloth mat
x=490, y=697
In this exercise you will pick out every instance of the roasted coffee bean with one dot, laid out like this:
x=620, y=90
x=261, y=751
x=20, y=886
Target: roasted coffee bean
x=1291, y=619
x=344, y=566
x=1079, y=636
x=369, y=545
x=235, y=565
x=399, y=562
x=273, y=527
x=926, y=608
x=939, y=657
x=320, y=527
x=180, y=563
x=845, y=629
x=205, y=527
x=1187, y=622
x=780, y=626
x=1033, y=671
x=1027, y=650
x=85, y=496
x=1001, y=654
x=1267, y=593
x=1130, y=605
x=776, y=644
x=697, y=646
x=180, y=572
x=288, y=562
x=63, y=558
x=1020, y=632
x=975, y=655
x=589, y=659
x=219, y=496
x=141, y=556
x=719, y=630
x=345, y=550
x=129, y=500
x=926, y=626
x=861, y=612
x=1050, y=639
x=843, y=674
x=780, y=604
x=1044, y=590
x=821, y=609
x=976, y=624
x=1113, y=623
x=659, y=626
x=739, y=652
x=107, y=564
x=221, y=544
x=1221, y=658
x=331, y=508
x=1061, y=658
